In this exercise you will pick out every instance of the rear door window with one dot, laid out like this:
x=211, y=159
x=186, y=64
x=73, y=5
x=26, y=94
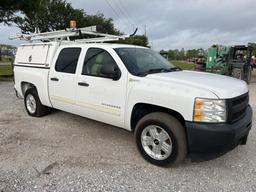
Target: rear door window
x=67, y=60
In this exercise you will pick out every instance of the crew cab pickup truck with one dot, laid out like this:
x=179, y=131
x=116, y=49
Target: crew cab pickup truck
x=173, y=113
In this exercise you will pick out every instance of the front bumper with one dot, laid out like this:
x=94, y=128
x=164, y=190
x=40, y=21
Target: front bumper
x=214, y=139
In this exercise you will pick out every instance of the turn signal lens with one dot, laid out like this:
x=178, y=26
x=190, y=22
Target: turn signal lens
x=198, y=104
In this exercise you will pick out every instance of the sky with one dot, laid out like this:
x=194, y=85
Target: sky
x=171, y=24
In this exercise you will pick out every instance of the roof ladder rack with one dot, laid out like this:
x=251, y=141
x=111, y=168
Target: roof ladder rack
x=72, y=32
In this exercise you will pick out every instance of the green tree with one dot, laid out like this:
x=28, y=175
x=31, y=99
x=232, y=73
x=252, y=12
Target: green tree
x=106, y=24
x=164, y=54
x=176, y=54
x=182, y=54
x=9, y=8
x=140, y=40
x=192, y=53
x=171, y=55
x=50, y=15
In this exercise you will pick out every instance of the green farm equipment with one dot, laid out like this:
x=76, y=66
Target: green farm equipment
x=234, y=61
x=217, y=59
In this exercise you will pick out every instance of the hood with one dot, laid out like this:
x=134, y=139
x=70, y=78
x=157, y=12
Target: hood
x=222, y=86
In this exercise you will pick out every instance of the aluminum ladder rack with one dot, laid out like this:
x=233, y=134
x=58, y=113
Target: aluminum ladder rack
x=72, y=32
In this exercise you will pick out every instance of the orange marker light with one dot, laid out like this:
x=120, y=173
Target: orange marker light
x=198, y=104
x=197, y=110
x=72, y=24
x=197, y=116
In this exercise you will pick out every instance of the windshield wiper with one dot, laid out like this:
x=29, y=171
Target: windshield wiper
x=158, y=70
x=176, y=69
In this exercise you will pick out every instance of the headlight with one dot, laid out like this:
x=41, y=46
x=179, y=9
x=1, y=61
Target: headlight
x=210, y=110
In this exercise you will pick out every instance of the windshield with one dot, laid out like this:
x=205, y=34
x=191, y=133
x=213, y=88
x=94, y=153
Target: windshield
x=141, y=61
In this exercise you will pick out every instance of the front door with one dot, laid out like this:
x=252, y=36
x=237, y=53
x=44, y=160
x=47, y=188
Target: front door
x=99, y=96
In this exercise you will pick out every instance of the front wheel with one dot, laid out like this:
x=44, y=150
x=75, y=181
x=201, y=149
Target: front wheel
x=161, y=139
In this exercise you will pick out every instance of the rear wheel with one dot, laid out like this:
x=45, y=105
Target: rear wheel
x=161, y=139
x=33, y=104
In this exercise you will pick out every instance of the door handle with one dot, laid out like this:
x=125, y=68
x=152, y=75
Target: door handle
x=83, y=84
x=54, y=79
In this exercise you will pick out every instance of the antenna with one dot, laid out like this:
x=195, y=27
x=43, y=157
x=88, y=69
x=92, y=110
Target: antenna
x=134, y=33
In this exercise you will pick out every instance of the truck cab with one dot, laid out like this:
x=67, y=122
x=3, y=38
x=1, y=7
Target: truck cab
x=172, y=112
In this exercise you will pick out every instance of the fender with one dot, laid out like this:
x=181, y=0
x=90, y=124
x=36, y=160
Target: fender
x=172, y=96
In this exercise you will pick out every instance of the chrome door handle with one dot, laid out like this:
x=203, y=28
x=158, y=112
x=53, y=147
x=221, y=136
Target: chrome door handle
x=54, y=79
x=83, y=84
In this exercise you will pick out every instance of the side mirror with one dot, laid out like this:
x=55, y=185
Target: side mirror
x=111, y=71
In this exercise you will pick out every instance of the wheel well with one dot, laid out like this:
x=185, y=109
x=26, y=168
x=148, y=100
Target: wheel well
x=25, y=86
x=142, y=109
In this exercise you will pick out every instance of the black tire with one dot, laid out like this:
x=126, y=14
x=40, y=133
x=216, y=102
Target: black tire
x=40, y=110
x=175, y=131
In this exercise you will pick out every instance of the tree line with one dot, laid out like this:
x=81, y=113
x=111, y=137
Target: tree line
x=182, y=54
x=50, y=15
x=6, y=52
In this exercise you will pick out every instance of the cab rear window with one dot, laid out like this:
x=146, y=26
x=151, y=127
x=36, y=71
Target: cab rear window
x=67, y=60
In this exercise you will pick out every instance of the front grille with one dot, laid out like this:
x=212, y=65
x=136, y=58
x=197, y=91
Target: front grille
x=237, y=107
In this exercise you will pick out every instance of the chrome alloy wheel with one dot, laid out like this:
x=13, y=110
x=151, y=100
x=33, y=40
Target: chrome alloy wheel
x=31, y=103
x=156, y=142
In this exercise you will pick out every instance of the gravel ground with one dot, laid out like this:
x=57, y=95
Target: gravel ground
x=64, y=152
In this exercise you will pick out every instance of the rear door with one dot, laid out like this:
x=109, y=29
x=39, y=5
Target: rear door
x=62, y=79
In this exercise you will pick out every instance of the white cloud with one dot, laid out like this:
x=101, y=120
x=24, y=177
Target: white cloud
x=184, y=23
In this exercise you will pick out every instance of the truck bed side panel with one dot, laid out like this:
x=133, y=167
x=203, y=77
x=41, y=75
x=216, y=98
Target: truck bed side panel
x=36, y=76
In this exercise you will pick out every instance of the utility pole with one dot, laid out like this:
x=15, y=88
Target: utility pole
x=145, y=30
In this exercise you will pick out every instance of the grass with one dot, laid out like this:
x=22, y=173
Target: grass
x=6, y=70
x=183, y=64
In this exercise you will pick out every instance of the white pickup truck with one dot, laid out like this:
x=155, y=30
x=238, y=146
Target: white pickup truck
x=172, y=112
